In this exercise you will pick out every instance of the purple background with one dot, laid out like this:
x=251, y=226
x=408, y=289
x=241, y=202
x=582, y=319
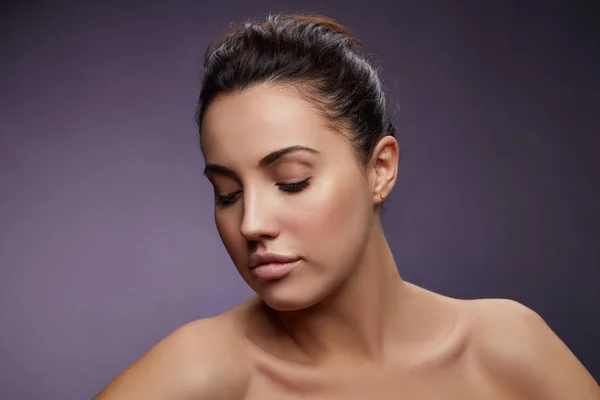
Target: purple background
x=107, y=240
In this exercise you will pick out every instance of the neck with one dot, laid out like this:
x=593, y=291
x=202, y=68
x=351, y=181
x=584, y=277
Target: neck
x=354, y=321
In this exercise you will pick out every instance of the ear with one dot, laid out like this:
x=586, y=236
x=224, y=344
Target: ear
x=384, y=163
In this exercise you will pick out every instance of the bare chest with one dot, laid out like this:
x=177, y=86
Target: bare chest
x=460, y=382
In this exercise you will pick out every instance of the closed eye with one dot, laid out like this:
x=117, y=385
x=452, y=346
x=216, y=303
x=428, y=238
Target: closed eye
x=293, y=187
x=228, y=198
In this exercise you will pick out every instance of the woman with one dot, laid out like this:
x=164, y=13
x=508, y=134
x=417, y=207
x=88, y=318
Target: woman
x=301, y=153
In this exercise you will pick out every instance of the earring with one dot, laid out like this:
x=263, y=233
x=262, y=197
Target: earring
x=382, y=196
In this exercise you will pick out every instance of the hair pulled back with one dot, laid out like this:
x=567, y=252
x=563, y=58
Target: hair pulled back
x=312, y=54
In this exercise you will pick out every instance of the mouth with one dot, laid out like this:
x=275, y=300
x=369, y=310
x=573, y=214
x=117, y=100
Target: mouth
x=273, y=271
x=269, y=266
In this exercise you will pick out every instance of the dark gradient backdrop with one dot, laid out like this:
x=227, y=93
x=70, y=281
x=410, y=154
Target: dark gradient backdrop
x=107, y=240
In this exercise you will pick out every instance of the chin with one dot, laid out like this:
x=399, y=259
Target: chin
x=283, y=296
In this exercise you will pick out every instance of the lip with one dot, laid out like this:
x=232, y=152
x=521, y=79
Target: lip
x=273, y=271
x=258, y=259
x=271, y=266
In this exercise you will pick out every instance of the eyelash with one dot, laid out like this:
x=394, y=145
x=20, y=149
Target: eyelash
x=294, y=187
x=291, y=188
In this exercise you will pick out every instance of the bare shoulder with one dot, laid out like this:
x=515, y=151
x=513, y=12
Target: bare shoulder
x=516, y=346
x=203, y=359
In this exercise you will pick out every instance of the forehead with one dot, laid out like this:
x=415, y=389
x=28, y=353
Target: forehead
x=249, y=124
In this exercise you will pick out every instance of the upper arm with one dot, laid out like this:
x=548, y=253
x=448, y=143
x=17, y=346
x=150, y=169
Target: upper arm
x=194, y=362
x=519, y=348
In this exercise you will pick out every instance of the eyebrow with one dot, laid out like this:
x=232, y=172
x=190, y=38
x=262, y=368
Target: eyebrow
x=267, y=160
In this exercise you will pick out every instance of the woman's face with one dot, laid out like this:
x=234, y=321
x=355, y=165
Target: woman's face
x=287, y=185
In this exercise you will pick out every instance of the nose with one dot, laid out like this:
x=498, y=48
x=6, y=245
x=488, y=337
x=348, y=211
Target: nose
x=258, y=220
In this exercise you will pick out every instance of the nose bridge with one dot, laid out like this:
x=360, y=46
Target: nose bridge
x=257, y=219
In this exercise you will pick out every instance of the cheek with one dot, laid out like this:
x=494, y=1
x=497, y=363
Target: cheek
x=233, y=241
x=336, y=220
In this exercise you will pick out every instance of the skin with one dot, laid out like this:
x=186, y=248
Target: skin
x=343, y=324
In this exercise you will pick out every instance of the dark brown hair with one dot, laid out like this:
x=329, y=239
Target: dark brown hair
x=312, y=54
